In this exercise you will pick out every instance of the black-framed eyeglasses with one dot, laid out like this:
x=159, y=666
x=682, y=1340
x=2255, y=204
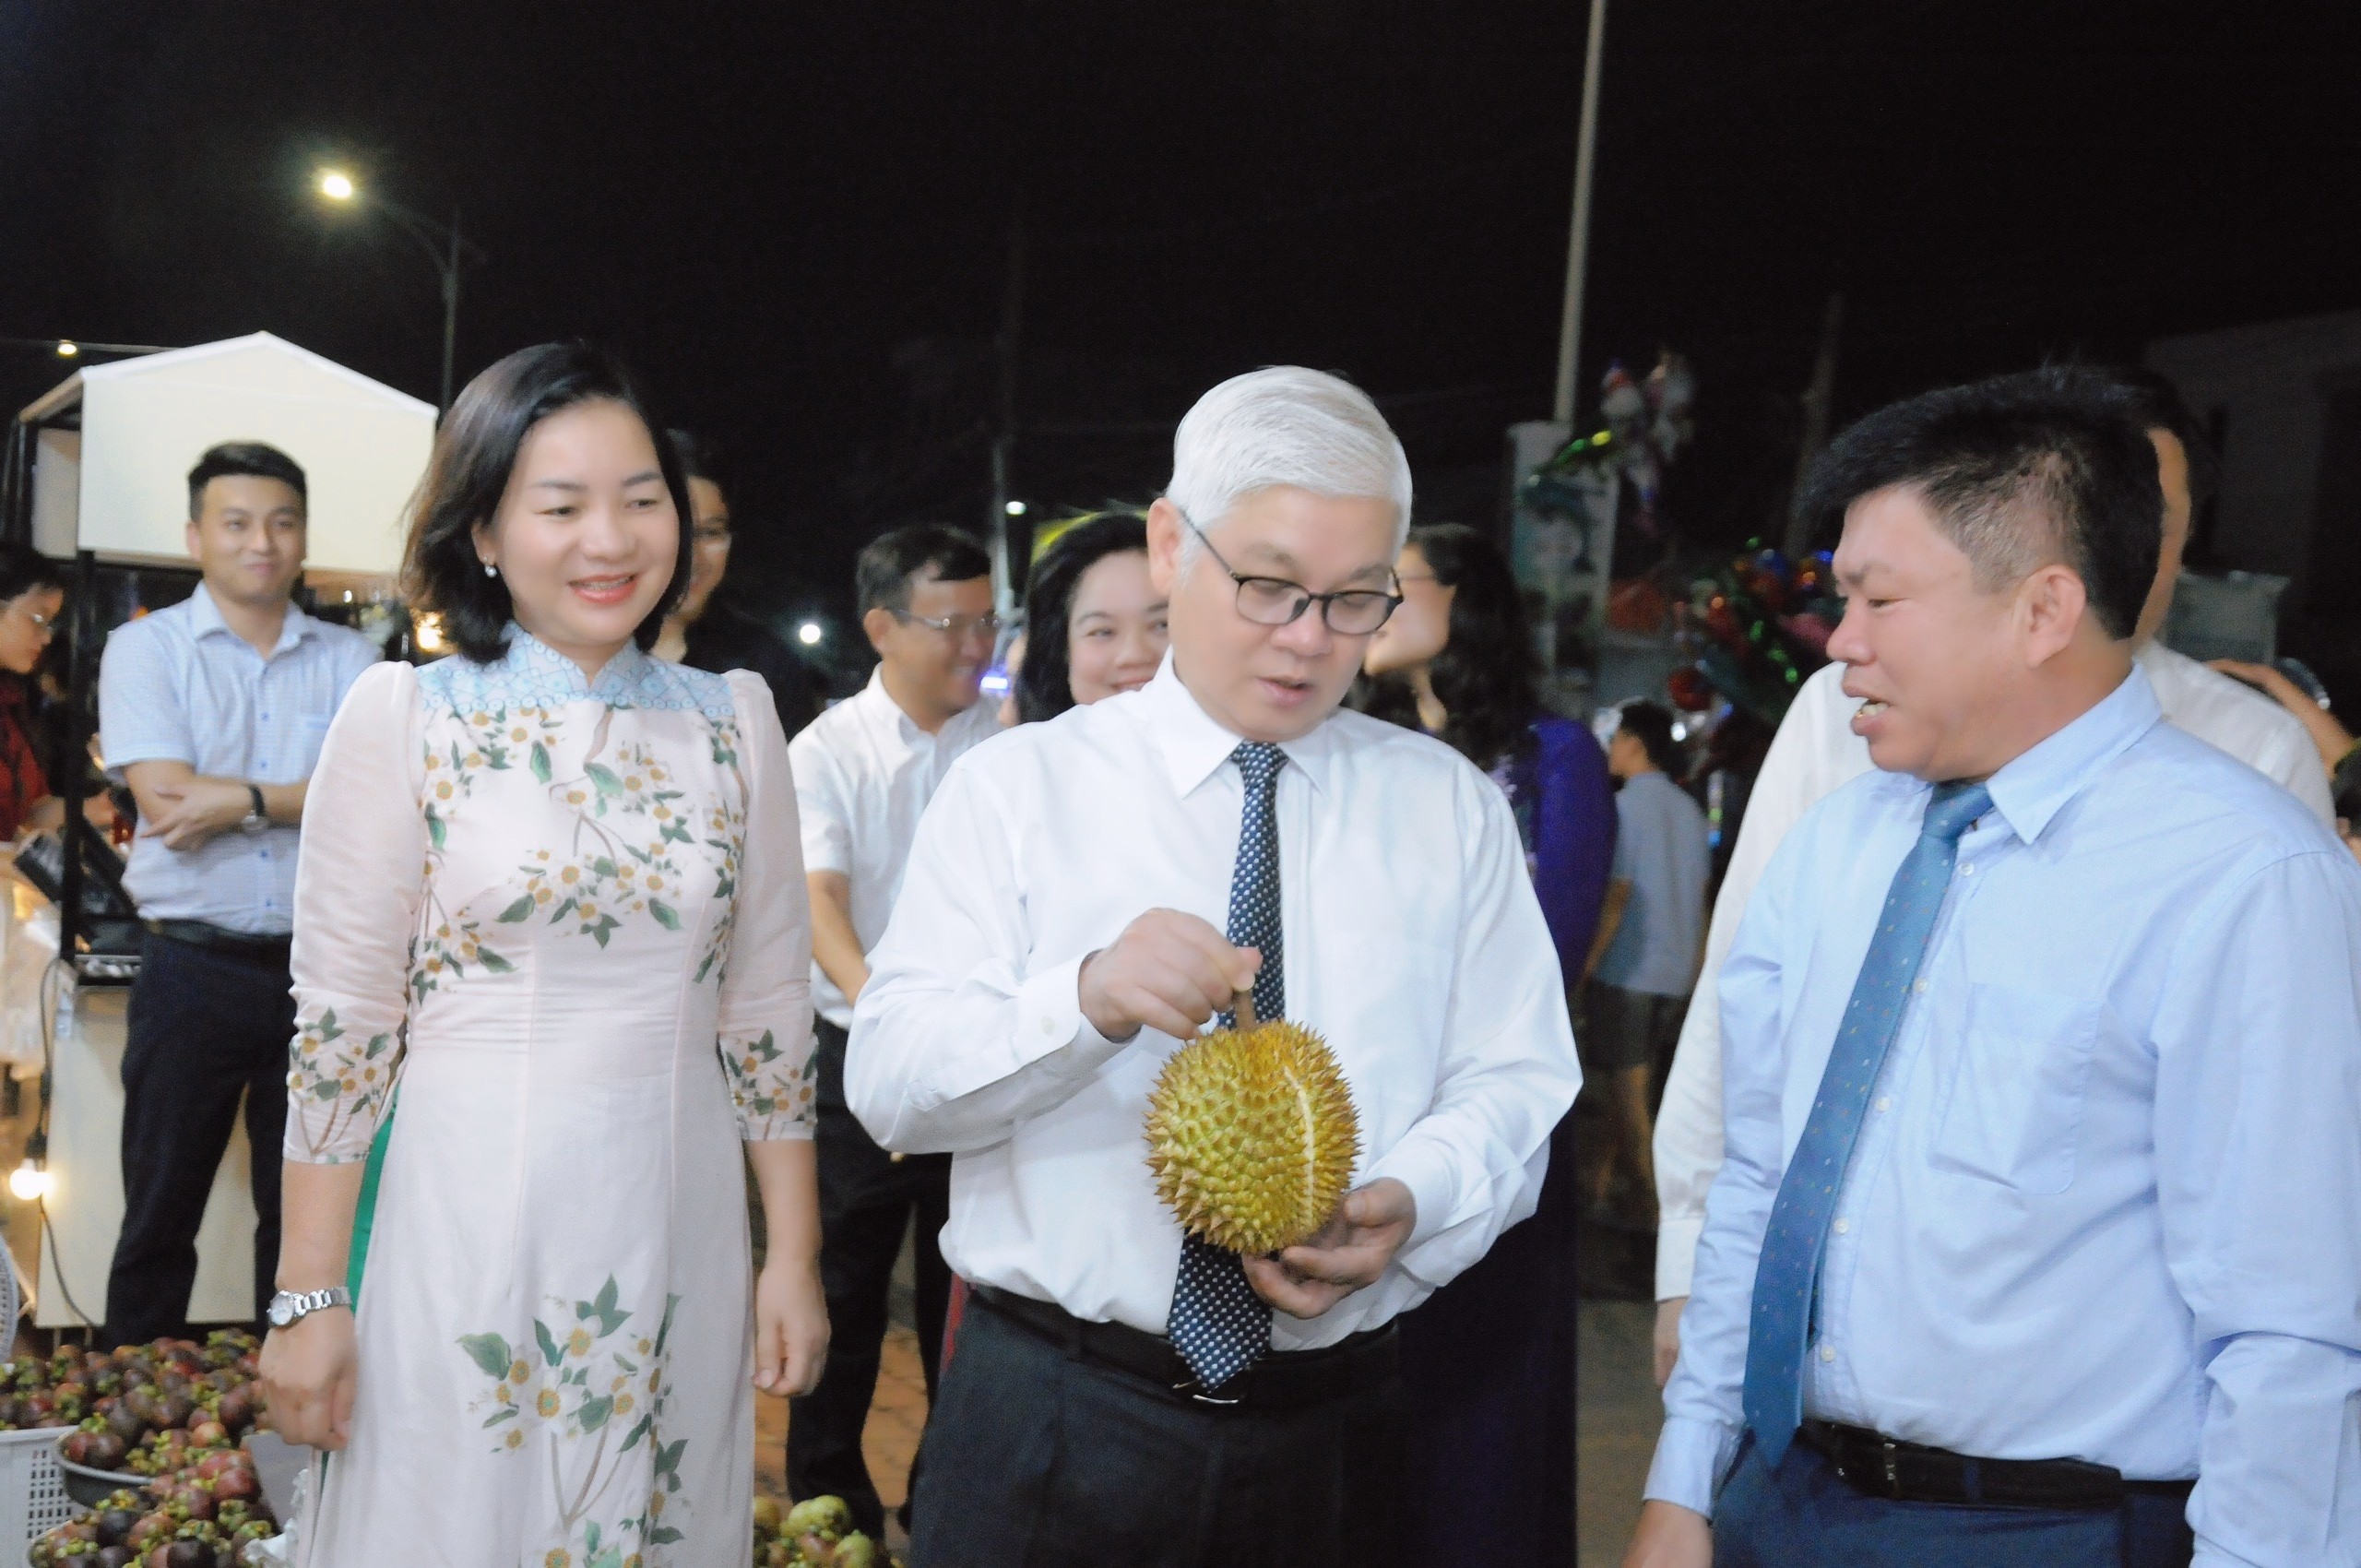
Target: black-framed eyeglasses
x=1277, y=602
x=959, y=628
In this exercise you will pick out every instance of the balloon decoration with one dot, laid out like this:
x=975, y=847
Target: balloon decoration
x=1759, y=624
x=1647, y=424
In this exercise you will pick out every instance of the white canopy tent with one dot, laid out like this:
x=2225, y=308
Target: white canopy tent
x=112, y=447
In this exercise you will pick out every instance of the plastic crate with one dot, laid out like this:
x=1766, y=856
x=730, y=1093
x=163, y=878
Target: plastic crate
x=32, y=1490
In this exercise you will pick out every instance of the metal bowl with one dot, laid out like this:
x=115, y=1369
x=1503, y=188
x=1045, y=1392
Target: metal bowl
x=89, y=1487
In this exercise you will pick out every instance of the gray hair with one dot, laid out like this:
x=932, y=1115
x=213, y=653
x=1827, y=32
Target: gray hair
x=1286, y=425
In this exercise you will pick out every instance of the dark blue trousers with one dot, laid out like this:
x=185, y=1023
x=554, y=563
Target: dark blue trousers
x=1802, y=1514
x=204, y=1028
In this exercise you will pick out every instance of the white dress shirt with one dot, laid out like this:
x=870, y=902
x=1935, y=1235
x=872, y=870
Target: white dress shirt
x=863, y=775
x=1413, y=942
x=2105, y=1200
x=1815, y=752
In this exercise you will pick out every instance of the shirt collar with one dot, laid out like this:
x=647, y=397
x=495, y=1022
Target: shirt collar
x=884, y=710
x=1194, y=746
x=204, y=619
x=2033, y=788
x=529, y=656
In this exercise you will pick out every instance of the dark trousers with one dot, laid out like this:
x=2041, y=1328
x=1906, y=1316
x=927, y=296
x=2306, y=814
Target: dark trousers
x=1036, y=1459
x=204, y=1028
x=868, y=1201
x=1803, y=1514
x=1487, y=1371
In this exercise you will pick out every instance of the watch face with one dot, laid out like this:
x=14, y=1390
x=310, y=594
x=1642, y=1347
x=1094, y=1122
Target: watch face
x=282, y=1312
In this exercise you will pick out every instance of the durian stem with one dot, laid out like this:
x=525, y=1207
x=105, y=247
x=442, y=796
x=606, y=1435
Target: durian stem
x=1242, y=1011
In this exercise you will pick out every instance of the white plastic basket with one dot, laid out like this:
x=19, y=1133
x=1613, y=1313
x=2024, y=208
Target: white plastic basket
x=32, y=1490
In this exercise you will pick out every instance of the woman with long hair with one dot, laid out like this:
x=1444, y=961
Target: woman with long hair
x=1487, y=1361
x=1094, y=625
x=552, y=965
x=32, y=596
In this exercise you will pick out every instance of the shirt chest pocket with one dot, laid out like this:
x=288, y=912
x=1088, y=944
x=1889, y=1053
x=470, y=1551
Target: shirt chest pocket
x=2020, y=1071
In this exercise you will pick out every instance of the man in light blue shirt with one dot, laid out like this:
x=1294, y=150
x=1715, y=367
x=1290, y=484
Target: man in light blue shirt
x=213, y=711
x=2038, y=1239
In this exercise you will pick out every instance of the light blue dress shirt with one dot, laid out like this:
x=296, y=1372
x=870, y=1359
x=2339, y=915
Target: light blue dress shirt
x=1664, y=848
x=2106, y=1203
x=180, y=686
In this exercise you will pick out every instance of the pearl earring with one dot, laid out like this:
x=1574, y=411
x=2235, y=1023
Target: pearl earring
x=490, y=570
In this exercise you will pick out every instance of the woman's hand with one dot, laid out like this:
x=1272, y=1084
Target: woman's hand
x=308, y=1371
x=791, y=1325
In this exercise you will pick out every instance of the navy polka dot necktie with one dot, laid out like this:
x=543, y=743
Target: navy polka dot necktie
x=1788, y=1268
x=1218, y=1324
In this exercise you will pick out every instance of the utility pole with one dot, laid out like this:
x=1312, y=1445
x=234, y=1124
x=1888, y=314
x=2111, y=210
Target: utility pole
x=1818, y=398
x=450, y=312
x=1569, y=328
x=1012, y=325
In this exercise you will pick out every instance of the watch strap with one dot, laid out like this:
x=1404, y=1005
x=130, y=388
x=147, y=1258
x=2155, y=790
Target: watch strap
x=301, y=1304
x=262, y=810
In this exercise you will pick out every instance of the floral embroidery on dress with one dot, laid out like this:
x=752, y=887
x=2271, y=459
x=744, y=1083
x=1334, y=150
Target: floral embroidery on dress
x=575, y=1388
x=770, y=1097
x=350, y=1079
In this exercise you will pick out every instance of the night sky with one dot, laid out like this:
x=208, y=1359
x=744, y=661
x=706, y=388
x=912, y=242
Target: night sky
x=796, y=219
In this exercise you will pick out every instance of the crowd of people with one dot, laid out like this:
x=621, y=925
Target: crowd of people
x=2006, y=1176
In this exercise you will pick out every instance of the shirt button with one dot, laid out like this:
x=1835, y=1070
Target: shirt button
x=1828, y=1352
x=1049, y=1025
x=1842, y=1226
x=1968, y=870
x=1885, y=1102
x=1919, y=986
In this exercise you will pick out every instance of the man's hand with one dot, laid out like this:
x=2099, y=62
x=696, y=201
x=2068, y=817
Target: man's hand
x=1670, y=1536
x=196, y=811
x=1169, y=973
x=1350, y=1251
x=1668, y=1337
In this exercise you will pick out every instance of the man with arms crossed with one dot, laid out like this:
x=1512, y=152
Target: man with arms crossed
x=213, y=711
x=1083, y=895
x=1816, y=751
x=2039, y=1237
x=865, y=771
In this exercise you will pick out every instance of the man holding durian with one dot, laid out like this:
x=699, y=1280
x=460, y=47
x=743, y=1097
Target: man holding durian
x=1349, y=901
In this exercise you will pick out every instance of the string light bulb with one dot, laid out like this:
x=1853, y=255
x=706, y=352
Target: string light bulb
x=30, y=1182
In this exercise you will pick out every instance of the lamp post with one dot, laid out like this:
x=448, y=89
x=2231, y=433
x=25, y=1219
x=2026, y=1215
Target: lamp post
x=442, y=242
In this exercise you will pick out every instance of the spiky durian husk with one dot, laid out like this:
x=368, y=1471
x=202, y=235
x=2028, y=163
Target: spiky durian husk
x=1251, y=1135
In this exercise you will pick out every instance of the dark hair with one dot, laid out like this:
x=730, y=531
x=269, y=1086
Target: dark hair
x=22, y=570
x=253, y=457
x=893, y=561
x=2020, y=471
x=475, y=452
x=1485, y=677
x=1044, y=687
x=2149, y=400
x=700, y=458
x=1650, y=723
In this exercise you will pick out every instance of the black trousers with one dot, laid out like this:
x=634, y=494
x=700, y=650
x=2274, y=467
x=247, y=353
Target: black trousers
x=1039, y=1460
x=1803, y=1513
x=868, y=1202
x=204, y=1028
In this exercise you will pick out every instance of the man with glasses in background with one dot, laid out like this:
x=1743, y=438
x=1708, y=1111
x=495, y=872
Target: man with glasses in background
x=865, y=771
x=1083, y=895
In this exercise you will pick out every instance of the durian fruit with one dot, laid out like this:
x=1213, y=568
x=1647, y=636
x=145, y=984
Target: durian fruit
x=1251, y=1135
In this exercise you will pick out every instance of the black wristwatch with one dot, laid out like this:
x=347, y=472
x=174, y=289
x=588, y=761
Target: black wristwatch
x=258, y=819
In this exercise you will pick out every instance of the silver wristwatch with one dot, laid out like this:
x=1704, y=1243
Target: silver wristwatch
x=290, y=1307
x=258, y=819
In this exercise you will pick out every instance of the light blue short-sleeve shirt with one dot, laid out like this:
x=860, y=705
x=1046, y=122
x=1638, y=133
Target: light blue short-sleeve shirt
x=180, y=686
x=1663, y=848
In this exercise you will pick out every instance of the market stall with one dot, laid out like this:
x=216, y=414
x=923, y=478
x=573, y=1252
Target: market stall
x=97, y=471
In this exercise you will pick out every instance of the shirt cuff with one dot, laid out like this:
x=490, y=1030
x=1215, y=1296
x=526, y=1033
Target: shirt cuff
x=1048, y=1021
x=1677, y=1237
x=1691, y=1457
x=1425, y=1169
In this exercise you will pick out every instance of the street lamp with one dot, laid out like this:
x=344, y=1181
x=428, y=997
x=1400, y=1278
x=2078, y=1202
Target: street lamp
x=809, y=634
x=442, y=242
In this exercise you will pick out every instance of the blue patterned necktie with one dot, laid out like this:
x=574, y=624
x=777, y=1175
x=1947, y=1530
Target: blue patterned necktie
x=1218, y=1324
x=1788, y=1270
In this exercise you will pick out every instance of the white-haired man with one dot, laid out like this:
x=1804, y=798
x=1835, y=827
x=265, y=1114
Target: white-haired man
x=1083, y=895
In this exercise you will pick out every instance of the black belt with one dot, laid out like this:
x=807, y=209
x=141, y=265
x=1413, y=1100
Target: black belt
x=238, y=943
x=1283, y=1377
x=1908, y=1472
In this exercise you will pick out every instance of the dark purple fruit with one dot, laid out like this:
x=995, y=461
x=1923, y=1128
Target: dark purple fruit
x=189, y=1554
x=113, y=1557
x=114, y=1525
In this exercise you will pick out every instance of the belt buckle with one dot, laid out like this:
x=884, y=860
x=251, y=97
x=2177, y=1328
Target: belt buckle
x=1196, y=1391
x=1889, y=1457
